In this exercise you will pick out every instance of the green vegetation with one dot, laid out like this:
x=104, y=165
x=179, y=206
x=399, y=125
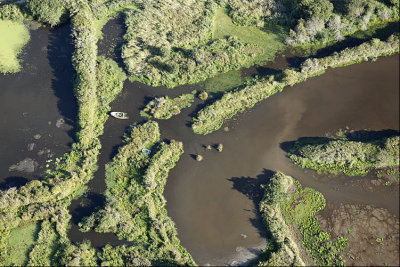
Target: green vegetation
x=165, y=107
x=287, y=205
x=223, y=82
x=45, y=247
x=135, y=206
x=15, y=36
x=52, y=12
x=270, y=39
x=20, y=242
x=211, y=118
x=347, y=156
x=96, y=85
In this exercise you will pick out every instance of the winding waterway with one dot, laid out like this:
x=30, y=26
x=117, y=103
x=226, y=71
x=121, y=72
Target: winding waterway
x=213, y=202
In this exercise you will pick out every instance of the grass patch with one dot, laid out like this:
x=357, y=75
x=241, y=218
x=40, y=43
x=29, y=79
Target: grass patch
x=223, y=82
x=14, y=36
x=270, y=39
x=20, y=242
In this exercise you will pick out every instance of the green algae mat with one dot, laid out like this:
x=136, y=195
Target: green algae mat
x=14, y=35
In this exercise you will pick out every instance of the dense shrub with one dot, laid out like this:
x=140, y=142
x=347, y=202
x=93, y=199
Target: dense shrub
x=52, y=12
x=11, y=12
x=165, y=107
x=347, y=156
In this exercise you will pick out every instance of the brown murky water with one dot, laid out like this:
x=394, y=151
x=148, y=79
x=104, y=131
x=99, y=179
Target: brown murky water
x=38, y=108
x=214, y=202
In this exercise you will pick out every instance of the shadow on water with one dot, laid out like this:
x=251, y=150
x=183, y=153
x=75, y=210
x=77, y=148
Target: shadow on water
x=251, y=188
x=13, y=181
x=91, y=202
x=348, y=42
x=360, y=136
x=59, y=54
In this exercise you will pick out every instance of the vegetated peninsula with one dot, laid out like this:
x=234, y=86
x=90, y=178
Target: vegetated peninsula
x=352, y=157
x=171, y=43
x=289, y=214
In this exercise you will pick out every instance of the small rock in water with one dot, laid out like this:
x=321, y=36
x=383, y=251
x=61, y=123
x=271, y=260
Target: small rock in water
x=26, y=165
x=60, y=122
x=37, y=136
x=49, y=122
x=25, y=114
x=31, y=146
x=243, y=235
x=41, y=152
x=226, y=129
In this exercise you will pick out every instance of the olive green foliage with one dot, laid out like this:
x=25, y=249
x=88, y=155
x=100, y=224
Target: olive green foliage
x=258, y=12
x=135, y=206
x=347, y=156
x=45, y=246
x=165, y=107
x=50, y=197
x=20, y=242
x=52, y=12
x=11, y=12
x=269, y=39
x=287, y=205
x=211, y=117
x=322, y=21
x=123, y=256
x=78, y=255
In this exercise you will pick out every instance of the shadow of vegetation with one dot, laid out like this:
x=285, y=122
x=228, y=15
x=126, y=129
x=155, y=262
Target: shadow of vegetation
x=349, y=42
x=111, y=44
x=367, y=136
x=59, y=54
x=287, y=146
x=13, y=181
x=87, y=206
x=364, y=136
x=251, y=188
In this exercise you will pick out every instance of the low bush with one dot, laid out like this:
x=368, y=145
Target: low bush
x=347, y=156
x=165, y=107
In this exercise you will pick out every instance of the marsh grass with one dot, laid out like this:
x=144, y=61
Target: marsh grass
x=20, y=242
x=14, y=36
x=270, y=39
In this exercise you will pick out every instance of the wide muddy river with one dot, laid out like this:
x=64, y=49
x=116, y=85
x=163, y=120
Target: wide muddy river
x=213, y=202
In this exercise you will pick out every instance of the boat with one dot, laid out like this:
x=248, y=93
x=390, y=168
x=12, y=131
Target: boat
x=120, y=115
x=146, y=151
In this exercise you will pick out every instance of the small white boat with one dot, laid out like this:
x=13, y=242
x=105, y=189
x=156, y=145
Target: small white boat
x=146, y=151
x=120, y=115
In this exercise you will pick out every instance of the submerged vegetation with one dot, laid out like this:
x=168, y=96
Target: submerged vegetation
x=348, y=156
x=135, y=206
x=287, y=208
x=165, y=107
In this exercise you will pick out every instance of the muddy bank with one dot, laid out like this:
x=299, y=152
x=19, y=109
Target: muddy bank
x=373, y=233
x=38, y=108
